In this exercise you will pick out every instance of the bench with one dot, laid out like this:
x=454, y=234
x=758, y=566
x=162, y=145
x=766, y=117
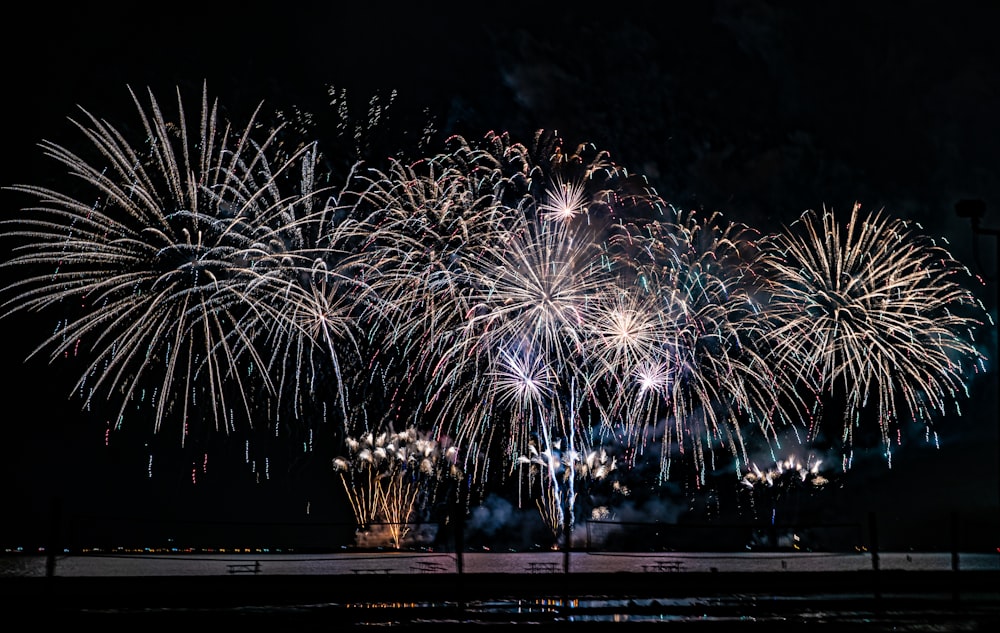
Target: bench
x=542, y=567
x=663, y=565
x=427, y=567
x=244, y=568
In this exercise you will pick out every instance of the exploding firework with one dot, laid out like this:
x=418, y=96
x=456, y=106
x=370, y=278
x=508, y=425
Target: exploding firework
x=148, y=263
x=390, y=478
x=484, y=263
x=790, y=469
x=511, y=298
x=779, y=492
x=689, y=361
x=554, y=477
x=871, y=312
x=306, y=297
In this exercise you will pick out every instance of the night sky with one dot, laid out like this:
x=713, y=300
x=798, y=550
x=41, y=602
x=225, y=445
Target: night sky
x=758, y=110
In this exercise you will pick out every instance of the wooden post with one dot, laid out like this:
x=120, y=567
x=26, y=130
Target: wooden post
x=954, y=556
x=52, y=544
x=873, y=536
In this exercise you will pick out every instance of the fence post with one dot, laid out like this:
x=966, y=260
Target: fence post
x=568, y=535
x=954, y=541
x=954, y=556
x=52, y=544
x=873, y=537
x=458, y=525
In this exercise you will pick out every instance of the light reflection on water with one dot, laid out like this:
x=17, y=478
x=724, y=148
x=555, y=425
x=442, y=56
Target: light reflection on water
x=923, y=612
x=920, y=614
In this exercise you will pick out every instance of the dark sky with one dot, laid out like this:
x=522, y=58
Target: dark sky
x=759, y=110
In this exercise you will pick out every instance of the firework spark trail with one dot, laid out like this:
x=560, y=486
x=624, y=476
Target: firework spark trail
x=625, y=329
x=422, y=225
x=539, y=286
x=872, y=311
x=705, y=372
x=789, y=468
x=153, y=255
x=391, y=477
x=490, y=295
x=472, y=283
x=554, y=475
x=533, y=303
x=422, y=230
x=308, y=299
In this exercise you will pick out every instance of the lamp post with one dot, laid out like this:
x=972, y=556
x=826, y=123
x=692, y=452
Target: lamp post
x=975, y=209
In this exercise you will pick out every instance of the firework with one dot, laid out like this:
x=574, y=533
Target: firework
x=483, y=281
x=791, y=469
x=513, y=298
x=531, y=315
x=554, y=476
x=307, y=298
x=689, y=365
x=778, y=491
x=871, y=312
x=391, y=477
x=147, y=262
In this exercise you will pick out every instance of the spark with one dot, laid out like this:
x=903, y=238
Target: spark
x=512, y=298
x=872, y=312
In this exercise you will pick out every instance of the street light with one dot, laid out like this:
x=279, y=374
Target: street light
x=975, y=209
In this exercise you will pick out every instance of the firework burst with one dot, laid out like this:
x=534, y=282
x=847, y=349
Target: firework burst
x=483, y=281
x=390, y=478
x=874, y=313
x=553, y=476
x=703, y=378
x=148, y=262
x=511, y=297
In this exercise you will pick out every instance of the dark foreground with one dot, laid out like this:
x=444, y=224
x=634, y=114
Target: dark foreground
x=887, y=600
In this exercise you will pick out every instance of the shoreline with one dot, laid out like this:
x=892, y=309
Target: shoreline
x=869, y=600
x=90, y=592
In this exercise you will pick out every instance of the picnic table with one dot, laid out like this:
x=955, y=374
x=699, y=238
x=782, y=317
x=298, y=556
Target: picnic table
x=663, y=565
x=244, y=568
x=542, y=567
x=427, y=567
